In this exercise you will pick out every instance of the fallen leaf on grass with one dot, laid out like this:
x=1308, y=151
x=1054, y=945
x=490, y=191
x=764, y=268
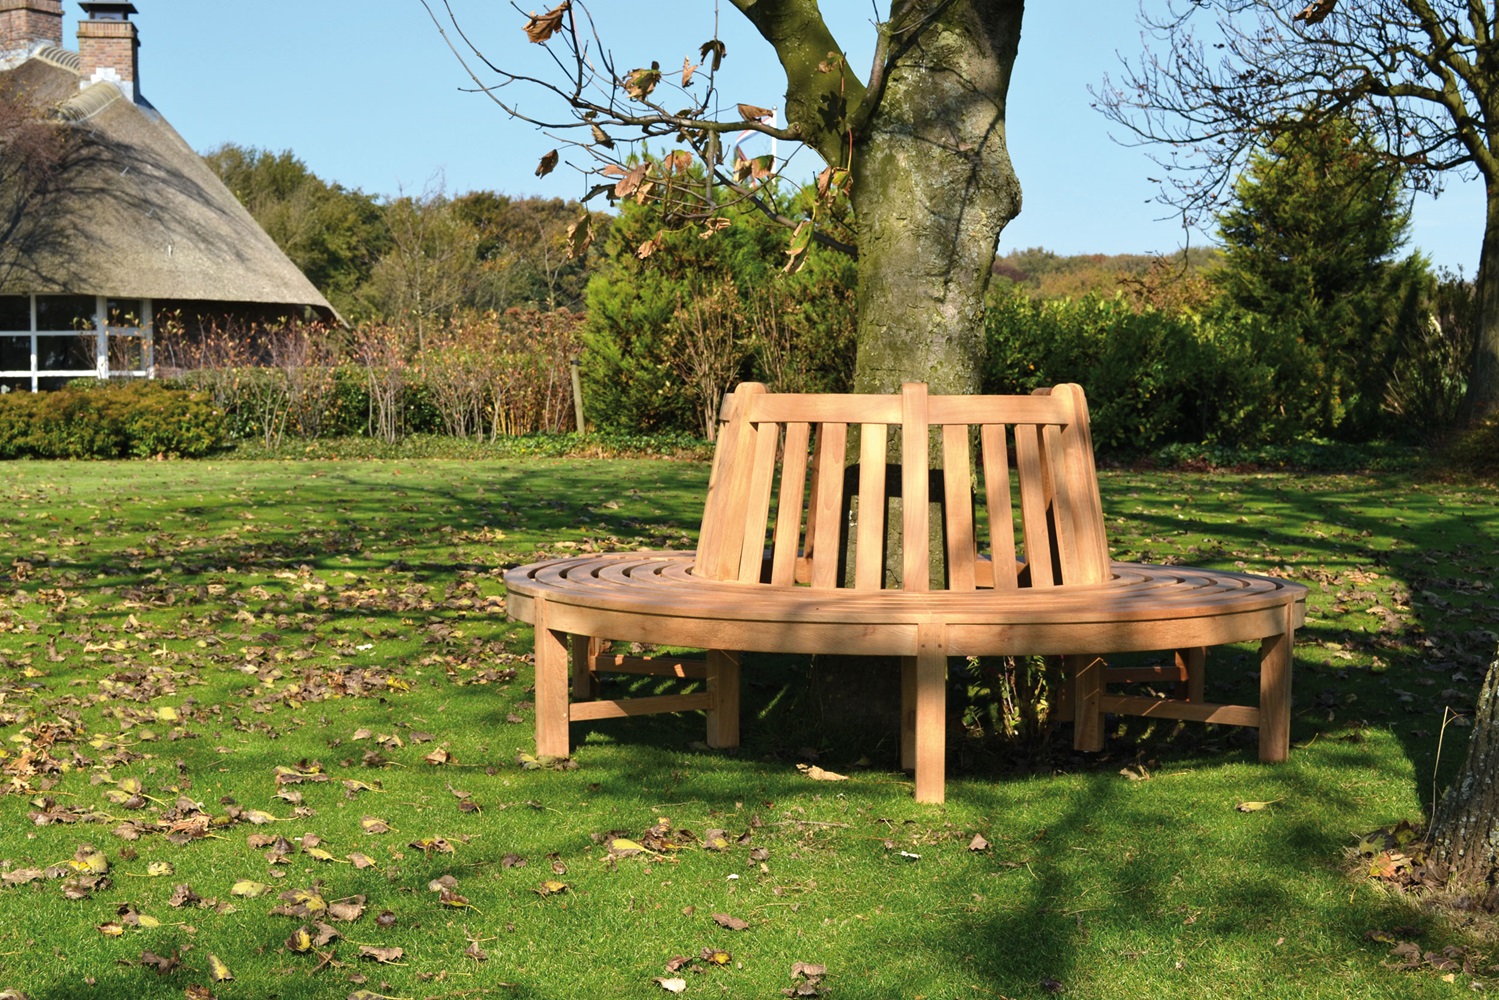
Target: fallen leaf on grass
x=732, y=923
x=818, y=774
x=716, y=956
x=385, y=956
x=1249, y=807
x=300, y=940
x=218, y=970
x=21, y=876
x=371, y=825
x=671, y=985
x=550, y=888
x=249, y=889
x=183, y=895
x=978, y=843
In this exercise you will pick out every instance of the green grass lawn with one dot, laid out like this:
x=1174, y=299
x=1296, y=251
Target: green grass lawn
x=299, y=675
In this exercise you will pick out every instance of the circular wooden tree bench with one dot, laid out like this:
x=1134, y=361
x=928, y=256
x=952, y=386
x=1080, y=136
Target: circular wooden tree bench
x=792, y=557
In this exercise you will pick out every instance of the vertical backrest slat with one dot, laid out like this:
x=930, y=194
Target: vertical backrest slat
x=957, y=489
x=735, y=490
x=1033, y=496
x=1092, y=538
x=916, y=563
x=823, y=535
x=789, y=504
x=1064, y=515
x=997, y=496
x=757, y=509
x=718, y=540
x=869, y=543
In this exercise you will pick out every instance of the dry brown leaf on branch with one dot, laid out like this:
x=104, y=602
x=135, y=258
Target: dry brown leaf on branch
x=688, y=68
x=718, y=50
x=812, y=770
x=579, y=237
x=630, y=181
x=1316, y=12
x=540, y=27
x=640, y=82
x=547, y=165
x=601, y=137
x=751, y=112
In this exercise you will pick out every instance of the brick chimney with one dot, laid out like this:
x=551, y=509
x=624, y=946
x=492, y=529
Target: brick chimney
x=24, y=23
x=108, y=48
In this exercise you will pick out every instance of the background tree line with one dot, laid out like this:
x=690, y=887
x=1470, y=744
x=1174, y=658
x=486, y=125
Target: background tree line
x=414, y=258
x=1309, y=319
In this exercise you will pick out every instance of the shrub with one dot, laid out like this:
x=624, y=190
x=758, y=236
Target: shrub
x=109, y=420
x=1155, y=378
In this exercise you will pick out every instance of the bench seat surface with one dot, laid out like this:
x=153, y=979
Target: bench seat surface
x=1151, y=607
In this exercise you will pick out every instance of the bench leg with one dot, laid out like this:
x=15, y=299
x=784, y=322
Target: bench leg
x=585, y=652
x=723, y=686
x=1275, y=695
x=1085, y=675
x=1193, y=662
x=551, y=688
x=929, y=679
x=1058, y=690
x=908, y=713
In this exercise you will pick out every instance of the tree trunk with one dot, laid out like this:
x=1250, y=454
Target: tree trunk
x=933, y=187
x=1483, y=383
x=1465, y=829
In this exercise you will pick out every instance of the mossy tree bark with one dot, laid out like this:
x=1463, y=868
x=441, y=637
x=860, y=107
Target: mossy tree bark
x=1465, y=829
x=932, y=181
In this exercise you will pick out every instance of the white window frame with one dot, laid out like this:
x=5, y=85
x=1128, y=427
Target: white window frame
x=102, y=332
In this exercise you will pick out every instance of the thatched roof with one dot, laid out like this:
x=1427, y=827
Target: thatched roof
x=138, y=214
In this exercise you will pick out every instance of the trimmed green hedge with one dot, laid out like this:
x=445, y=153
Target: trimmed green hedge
x=89, y=419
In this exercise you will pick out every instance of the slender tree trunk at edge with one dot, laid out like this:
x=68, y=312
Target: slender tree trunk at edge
x=1482, y=399
x=1465, y=828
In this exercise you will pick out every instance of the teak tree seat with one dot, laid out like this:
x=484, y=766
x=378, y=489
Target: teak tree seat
x=792, y=558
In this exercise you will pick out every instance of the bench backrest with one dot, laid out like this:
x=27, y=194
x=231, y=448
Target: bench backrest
x=785, y=506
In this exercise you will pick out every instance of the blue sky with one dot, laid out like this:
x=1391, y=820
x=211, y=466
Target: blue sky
x=367, y=93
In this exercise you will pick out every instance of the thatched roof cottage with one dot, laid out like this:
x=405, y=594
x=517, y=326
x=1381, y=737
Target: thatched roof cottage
x=113, y=222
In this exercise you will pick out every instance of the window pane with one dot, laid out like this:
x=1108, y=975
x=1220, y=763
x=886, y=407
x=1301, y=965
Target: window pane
x=53, y=384
x=123, y=312
x=15, y=354
x=15, y=384
x=125, y=354
x=68, y=353
x=64, y=312
x=15, y=312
